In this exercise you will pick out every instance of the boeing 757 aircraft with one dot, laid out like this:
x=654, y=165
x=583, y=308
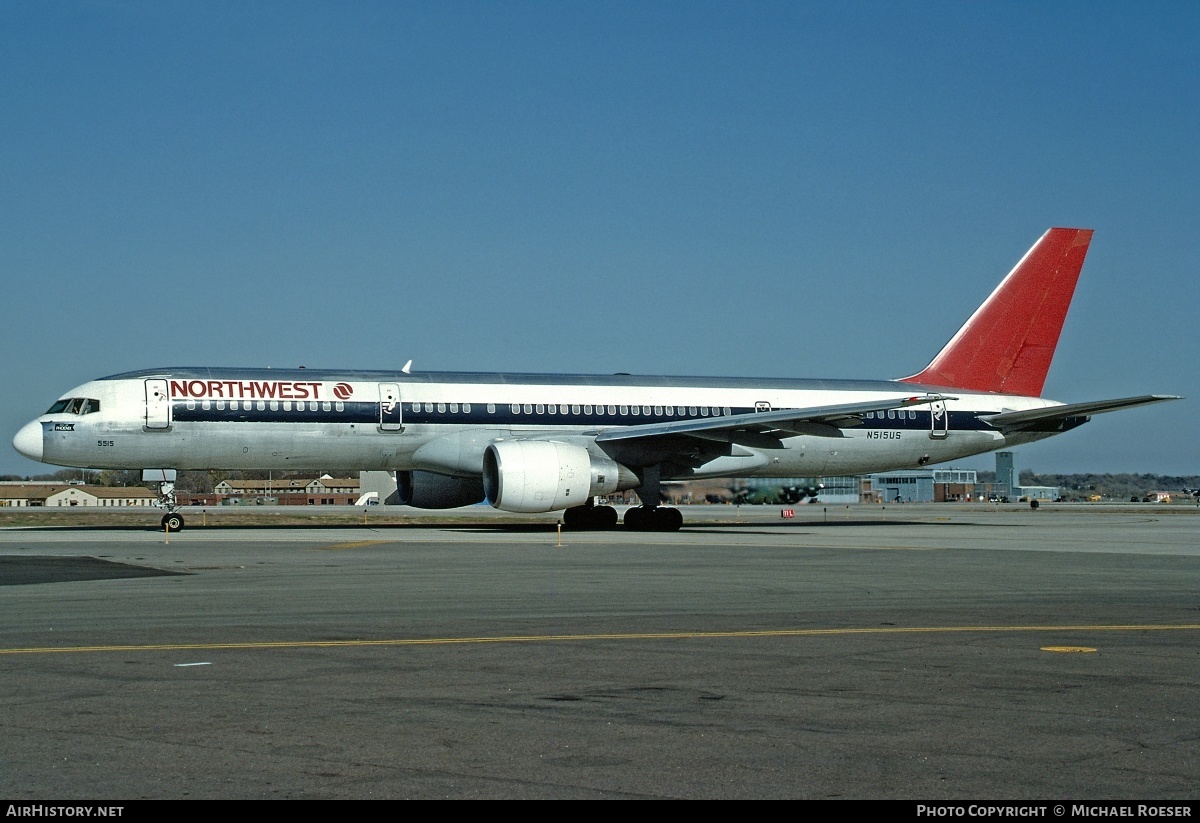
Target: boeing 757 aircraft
x=541, y=443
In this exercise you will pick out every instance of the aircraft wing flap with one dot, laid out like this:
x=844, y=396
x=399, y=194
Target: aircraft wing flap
x=824, y=421
x=1050, y=415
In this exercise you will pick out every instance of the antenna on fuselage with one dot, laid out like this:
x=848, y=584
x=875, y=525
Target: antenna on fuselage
x=407, y=366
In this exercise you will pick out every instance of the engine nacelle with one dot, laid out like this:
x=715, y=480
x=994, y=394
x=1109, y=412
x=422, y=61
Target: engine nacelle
x=429, y=490
x=546, y=475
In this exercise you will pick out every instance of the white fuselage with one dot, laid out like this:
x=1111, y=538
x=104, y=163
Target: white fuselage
x=306, y=419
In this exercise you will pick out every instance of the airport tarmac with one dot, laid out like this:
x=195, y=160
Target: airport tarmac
x=932, y=652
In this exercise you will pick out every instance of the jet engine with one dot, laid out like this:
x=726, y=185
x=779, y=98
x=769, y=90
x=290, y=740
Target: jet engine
x=546, y=475
x=430, y=490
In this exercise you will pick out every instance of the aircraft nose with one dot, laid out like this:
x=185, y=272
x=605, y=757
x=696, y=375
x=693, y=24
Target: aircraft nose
x=28, y=441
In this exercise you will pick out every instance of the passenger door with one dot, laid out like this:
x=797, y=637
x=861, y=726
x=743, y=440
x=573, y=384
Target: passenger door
x=391, y=411
x=939, y=420
x=158, y=405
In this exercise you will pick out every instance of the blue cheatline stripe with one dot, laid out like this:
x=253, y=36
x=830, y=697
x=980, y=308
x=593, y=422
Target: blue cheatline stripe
x=359, y=412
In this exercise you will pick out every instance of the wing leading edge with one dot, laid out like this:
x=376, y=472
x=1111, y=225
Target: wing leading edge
x=825, y=421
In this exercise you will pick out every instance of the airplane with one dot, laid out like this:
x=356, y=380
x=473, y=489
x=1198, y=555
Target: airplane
x=542, y=443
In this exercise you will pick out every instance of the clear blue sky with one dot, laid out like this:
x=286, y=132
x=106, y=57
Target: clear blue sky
x=763, y=189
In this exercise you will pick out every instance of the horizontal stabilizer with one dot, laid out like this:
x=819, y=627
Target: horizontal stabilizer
x=1039, y=418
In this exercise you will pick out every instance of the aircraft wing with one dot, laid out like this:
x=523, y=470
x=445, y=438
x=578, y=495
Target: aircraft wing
x=1049, y=418
x=752, y=428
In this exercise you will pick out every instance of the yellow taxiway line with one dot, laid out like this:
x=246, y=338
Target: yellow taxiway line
x=548, y=638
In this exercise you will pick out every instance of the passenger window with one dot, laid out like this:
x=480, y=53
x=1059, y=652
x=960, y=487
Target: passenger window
x=693, y=411
x=646, y=410
x=324, y=406
x=339, y=405
x=553, y=409
x=541, y=409
x=575, y=408
x=441, y=408
x=587, y=409
x=274, y=405
x=612, y=410
x=466, y=408
x=191, y=405
x=635, y=410
x=491, y=407
x=658, y=411
x=454, y=408
x=516, y=409
x=528, y=408
x=704, y=411
x=562, y=409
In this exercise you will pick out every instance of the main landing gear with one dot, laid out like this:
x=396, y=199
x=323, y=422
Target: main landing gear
x=637, y=518
x=590, y=518
x=653, y=519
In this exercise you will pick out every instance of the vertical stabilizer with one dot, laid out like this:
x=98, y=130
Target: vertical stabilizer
x=1007, y=345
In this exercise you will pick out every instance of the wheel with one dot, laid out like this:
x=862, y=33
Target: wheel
x=665, y=519
x=637, y=519
x=606, y=518
x=172, y=522
x=576, y=518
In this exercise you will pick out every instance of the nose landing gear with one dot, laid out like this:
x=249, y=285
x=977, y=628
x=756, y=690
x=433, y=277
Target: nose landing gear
x=172, y=521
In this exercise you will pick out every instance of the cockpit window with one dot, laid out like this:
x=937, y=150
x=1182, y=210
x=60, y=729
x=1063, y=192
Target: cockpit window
x=75, y=405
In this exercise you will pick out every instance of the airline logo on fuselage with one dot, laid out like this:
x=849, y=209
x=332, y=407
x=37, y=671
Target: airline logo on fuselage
x=252, y=389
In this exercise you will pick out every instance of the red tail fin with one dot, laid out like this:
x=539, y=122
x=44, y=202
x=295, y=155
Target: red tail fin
x=1008, y=343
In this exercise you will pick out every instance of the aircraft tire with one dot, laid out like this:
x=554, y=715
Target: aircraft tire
x=637, y=519
x=606, y=518
x=576, y=518
x=172, y=522
x=588, y=518
x=665, y=519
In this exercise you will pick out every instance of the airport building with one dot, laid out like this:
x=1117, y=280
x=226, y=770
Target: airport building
x=1007, y=485
x=318, y=491
x=55, y=495
x=921, y=486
